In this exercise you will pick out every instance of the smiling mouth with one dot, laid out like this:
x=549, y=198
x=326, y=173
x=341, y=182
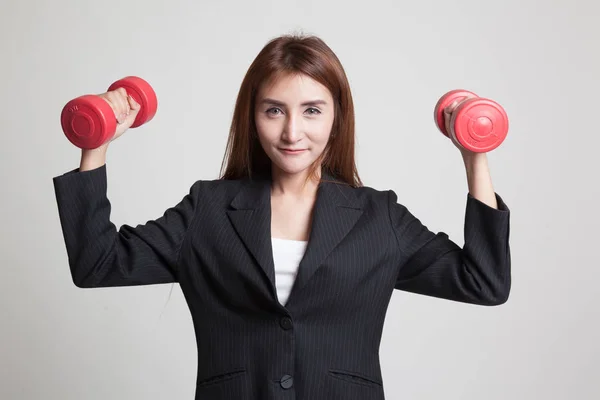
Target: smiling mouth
x=292, y=151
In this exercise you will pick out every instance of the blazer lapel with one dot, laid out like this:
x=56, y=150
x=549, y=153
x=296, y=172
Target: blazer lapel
x=336, y=211
x=251, y=218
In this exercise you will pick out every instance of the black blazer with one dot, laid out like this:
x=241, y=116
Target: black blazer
x=324, y=343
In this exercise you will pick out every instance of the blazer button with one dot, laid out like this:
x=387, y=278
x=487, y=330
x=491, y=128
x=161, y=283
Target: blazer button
x=287, y=382
x=286, y=323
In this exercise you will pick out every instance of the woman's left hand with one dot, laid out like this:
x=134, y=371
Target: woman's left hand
x=448, y=112
x=476, y=164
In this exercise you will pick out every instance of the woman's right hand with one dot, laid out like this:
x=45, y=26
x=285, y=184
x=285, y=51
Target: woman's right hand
x=124, y=107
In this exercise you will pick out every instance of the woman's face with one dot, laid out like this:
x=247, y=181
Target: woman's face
x=294, y=117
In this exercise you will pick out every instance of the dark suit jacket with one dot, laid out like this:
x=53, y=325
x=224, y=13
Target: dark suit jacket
x=324, y=343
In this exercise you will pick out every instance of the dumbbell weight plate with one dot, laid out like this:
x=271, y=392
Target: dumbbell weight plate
x=142, y=92
x=445, y=101
x=88, y=121
x=480, y=125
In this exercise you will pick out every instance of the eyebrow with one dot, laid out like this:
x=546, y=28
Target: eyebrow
x=281, y=104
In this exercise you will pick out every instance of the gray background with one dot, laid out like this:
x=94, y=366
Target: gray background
x=539, y=59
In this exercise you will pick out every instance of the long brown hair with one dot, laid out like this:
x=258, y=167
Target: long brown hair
x=284, y=55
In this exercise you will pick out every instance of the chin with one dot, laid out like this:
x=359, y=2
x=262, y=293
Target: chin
x=292, y=169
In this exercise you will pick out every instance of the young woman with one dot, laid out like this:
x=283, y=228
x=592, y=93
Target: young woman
x=287, y=262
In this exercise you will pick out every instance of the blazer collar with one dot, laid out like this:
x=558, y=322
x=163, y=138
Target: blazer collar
x=336, y=211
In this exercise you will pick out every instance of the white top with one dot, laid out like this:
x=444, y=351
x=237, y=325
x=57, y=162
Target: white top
x=287, y=255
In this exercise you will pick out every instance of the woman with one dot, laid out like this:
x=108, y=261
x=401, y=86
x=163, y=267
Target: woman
x=287, y=262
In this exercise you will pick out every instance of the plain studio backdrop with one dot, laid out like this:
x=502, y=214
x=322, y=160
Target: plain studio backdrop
x=539, y=59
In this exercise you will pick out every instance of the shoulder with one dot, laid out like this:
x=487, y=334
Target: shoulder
x=387, y=197
x=217, y=187
x=221, y=194
x=219, y=184
x=371, y=194
x=367, y=196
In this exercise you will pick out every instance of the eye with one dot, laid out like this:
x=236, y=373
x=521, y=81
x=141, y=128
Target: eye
x=316, y=111
x=269, y=111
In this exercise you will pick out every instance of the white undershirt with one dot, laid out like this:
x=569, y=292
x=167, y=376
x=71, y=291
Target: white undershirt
x=287, y=255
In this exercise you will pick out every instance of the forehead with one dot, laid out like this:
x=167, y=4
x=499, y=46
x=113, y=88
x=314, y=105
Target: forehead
x=293, y=87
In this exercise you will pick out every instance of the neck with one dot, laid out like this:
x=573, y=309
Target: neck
x=296, y=185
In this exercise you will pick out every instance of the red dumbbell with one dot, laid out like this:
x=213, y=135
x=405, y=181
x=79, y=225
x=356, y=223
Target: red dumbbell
x=479, y=125
x=88, y=121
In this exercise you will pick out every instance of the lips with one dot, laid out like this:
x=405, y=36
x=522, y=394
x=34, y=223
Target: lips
x=292, y=151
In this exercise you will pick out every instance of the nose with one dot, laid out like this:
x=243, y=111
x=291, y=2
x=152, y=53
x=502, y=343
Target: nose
x=292, y=130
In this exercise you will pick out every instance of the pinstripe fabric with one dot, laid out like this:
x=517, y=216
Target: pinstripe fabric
x=324, y=344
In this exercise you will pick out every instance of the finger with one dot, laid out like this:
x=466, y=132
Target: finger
x=113, y=100
x=120, y=95
x=116, y=102
x=457, y=102
x=134, y=105
x=127, y=105
x=447, y=121
x=124, y=103
x=450, y=109
x=448, y=116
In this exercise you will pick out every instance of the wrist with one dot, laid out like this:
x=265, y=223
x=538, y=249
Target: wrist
x=93, y=158
x=471, y=159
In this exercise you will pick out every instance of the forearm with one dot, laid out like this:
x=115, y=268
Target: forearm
x=479, y=179
x=94, y=158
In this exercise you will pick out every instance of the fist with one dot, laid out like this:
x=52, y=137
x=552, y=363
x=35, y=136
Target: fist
x=125, y=108
x=448, y=114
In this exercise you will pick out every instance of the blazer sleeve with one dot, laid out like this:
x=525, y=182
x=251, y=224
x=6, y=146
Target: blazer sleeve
x=434, y=265
x=99, y=255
